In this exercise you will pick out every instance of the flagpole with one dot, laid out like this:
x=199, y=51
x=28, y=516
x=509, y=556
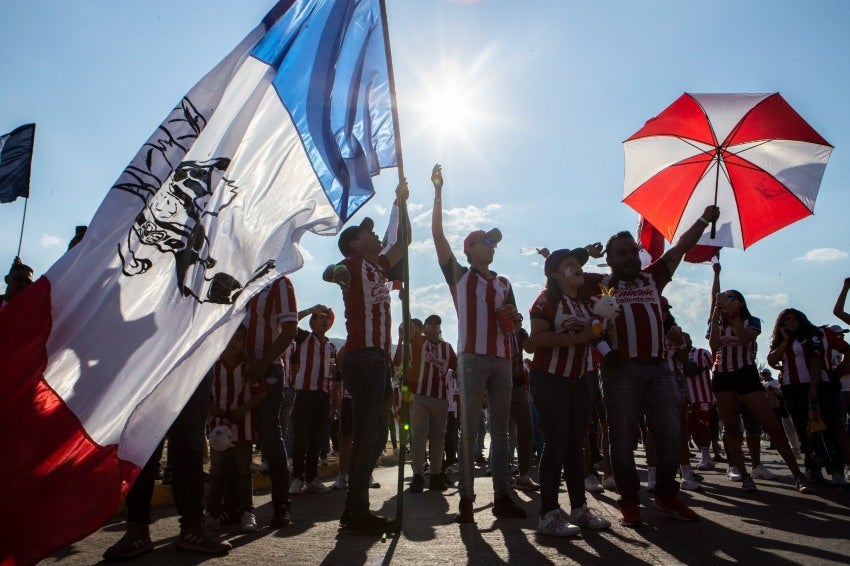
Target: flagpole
x=404, y=417
x=23, y=221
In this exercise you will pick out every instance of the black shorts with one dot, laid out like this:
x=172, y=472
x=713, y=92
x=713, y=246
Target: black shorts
x=345, y=425
x=741, y=381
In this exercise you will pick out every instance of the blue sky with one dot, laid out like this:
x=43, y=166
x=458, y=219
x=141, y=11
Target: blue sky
x=524, y=103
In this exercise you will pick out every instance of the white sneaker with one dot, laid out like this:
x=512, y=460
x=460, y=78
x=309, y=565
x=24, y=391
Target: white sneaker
x=734, y=474
x=591, y=484
x=525, y=483
x=316, y=486
x=555, y=523
x=340, y=484
x=609, y=483
x=706, y=463
x=249, y=522
x=586, y=519
x=296, y=487
x=838, y=479
x=690, y=484
x=650, y=479
x=762, y=473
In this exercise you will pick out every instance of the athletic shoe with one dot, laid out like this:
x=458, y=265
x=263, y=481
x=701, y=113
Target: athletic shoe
x=630, y=513
x=505, y=506
x=249, y=522
x=598, y=465
x=340, y=484
x=437, y=482
x=748, y=484
x=706, y=463
x=282, y=516
x=673, y=505
x=465, y=514
x=803, y=485
x=136, y=541
x=417, y=484
x=373, y=484
x=734, y=474
x=609, y=483
x=368, y=525
x=316, y=486
x=525, y=483
x=690, y=484
x=586, y=519
x=838, y=480
x=296, y=487
x=198, y=539
x=591, y=484
x=762, y=473
x=650, y=479
x=212, y=522
x=554, y=523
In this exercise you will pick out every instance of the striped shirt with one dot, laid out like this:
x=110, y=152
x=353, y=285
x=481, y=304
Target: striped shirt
x=732, y=355
x=797, y=360
x=431, y=361
x=569, y=316
x=639, y=328
x=267, y=312
x=452, y=392
x=312, y=364
x=477, y=297
x=230, y=389
x=367, y=304
x=699, y=384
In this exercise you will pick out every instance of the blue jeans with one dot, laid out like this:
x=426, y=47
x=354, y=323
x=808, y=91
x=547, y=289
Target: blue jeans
x=564, y=405
x=231, y=469
x=476, y=374
x=365, y=374
x=649, y=388
x=271, y=435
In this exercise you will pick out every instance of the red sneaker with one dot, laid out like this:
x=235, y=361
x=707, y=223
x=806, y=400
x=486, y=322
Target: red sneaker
x=673, y=505
x=630, y=513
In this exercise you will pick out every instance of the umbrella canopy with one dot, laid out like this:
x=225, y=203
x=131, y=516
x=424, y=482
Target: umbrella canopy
x=751, y=154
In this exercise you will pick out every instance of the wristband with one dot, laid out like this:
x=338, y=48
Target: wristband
x=704, y=221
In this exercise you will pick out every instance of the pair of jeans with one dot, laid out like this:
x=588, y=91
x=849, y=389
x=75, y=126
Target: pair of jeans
x=186, y=450
x=564, y=405
x=231, y=470
x=647, y=387
x=366, y=376
x=271, y=435
x=477, y=374
x=427, y=425
x=521, y=415
x=310, y=419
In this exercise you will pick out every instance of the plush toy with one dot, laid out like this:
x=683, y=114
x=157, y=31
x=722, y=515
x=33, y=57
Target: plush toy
x=221, y=438
x=605, y=306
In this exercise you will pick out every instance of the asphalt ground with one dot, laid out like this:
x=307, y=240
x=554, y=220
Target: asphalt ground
x=775, y=526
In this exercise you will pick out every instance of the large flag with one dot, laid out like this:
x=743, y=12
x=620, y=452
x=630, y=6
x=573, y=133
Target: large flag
x=15, y=162
x=100, y=354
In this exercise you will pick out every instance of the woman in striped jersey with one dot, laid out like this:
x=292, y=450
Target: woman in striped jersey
x=732, y=337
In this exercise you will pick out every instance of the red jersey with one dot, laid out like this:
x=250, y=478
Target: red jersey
x=367, y=304
x=732, y=355
x=569, y=316
x=699, y=384
x=267, y=312
x=477, y=296
x=231, y=389
x=797, y=360
x=312, y=363
x=431, y=361
x=639, y=328
x=834, y=347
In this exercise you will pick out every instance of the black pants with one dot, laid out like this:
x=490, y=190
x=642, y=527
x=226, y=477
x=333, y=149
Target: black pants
x=310, y=419
x=452, y=427
x=821, y=450
x=186, y=454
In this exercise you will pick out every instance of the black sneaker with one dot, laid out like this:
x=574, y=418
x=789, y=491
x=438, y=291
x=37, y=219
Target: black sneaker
x=282, y=516
x=504, y=506
x=465, y=513
x=368, y=525
x=437, y=482
x=136, y=541
x=199, y=539
x=417, y=484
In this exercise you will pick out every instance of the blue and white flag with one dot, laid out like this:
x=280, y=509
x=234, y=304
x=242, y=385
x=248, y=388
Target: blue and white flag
x=281, y=137
x=15, y=163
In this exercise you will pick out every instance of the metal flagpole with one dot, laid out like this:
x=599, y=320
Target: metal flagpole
x=404, y=418
x=23, y=221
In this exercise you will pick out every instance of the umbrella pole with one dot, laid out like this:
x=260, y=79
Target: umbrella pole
x=716, y=185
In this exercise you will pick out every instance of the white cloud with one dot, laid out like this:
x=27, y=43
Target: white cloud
x=49, y=241
x=822, y=255
x=418, y=246
x=308, y=257
x=775, y=300
x=380, y=210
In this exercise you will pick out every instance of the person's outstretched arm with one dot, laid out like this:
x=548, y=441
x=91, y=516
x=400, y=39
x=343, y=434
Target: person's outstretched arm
x=444, y=250
x=689, y=239
x=838, y=310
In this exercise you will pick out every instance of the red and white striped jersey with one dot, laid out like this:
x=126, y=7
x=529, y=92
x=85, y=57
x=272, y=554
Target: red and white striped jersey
x=312, y=366
x=834, y=347
x=267, y=311
x=568, y=316
x=797, y=360
x=699, y=385
x=732, y=355
x=477, y=296
x=288, y=369
x=639, y=328
x=452, y=392
x=231, y=389
x=367, y=304
x=430, y=363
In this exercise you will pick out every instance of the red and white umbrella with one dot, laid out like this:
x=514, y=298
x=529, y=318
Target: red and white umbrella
x=751, y=154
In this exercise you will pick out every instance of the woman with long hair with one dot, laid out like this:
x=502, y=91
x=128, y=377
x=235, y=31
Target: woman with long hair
x=732, y=338
x=798, y=346
x=561, y=332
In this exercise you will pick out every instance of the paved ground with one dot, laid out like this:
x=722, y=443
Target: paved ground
x=776, y=526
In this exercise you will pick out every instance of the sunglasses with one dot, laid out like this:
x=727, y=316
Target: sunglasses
x=489, y=243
